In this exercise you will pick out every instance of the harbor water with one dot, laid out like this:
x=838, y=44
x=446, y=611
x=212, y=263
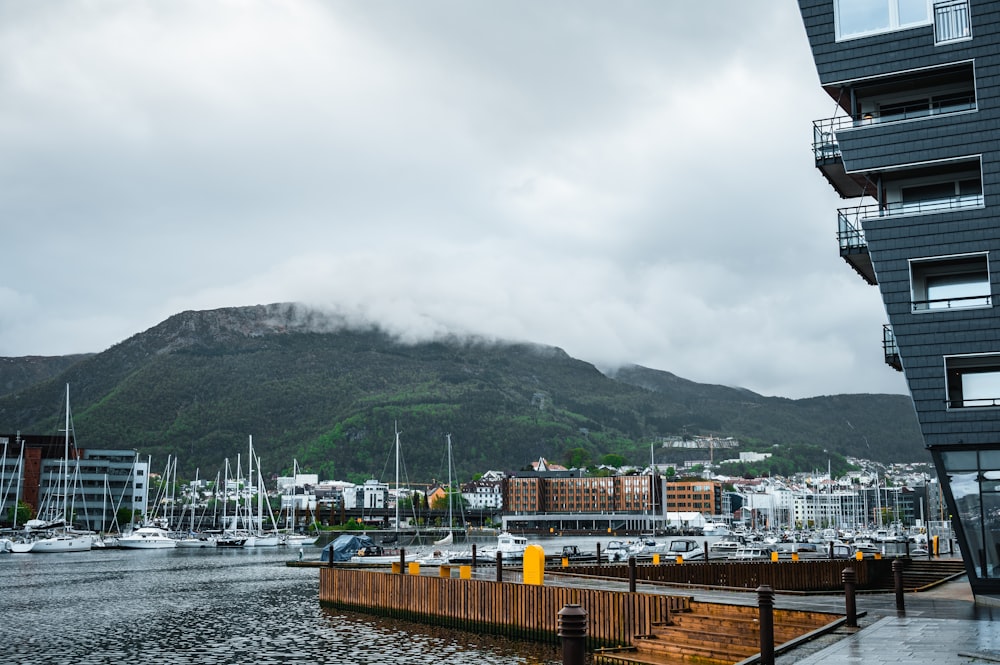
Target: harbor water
x=210, y=606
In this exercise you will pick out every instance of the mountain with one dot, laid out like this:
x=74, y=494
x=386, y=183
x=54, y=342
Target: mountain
x=306, y=385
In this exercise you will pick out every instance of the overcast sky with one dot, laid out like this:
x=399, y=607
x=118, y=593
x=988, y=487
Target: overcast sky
x=631, y=181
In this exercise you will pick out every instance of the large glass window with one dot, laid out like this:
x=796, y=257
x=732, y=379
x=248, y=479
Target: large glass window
x=973, y=381
x=955, y=282
x=974, y=481
x=861, y=17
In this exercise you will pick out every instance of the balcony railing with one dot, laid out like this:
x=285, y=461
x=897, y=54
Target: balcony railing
x=825, y=144
x=849, y=231
x=849, y=219
x=951, y=21
x=890, y=348
x=962, y=302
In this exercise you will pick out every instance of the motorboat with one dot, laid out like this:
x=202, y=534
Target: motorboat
x=618, y=550
x=751, y=553
x=196, y=541
x=147, y=538
x=715, y=529
x=728, y=545
x=686, y=548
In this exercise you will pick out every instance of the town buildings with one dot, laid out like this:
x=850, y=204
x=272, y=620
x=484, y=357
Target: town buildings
x=914, y=148
x=92, y=491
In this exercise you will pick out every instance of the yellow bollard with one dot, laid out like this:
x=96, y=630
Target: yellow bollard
x=413, y=568
x=774, y=556
x=878, y=556
x=934, y=545
x=396, y=568
x=679, y=560
x=795, y=556
x=656, y=559
x=465, y=572
x=565, y=562
x=859, y=555
x=444, y=571
x=534, y=565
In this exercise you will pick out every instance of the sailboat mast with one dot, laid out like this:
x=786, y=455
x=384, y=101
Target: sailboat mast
x=450, y=522
x=65, y=492
x=396, y=427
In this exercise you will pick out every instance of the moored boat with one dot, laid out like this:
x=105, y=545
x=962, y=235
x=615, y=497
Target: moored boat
x=147, y=538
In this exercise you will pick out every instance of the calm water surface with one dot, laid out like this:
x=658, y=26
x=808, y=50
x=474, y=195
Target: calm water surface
x=209, y=606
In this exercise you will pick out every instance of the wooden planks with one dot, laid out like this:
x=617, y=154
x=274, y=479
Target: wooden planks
x=501, y=608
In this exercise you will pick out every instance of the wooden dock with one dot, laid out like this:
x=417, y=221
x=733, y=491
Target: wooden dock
x=509, y=609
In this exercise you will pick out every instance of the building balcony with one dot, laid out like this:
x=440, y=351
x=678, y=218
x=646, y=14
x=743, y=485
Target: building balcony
x=951, y=21
x=890, y=349
x=830, y=161
x=853, y=246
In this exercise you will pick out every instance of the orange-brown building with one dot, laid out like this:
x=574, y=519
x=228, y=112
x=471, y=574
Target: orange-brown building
x=566, y=501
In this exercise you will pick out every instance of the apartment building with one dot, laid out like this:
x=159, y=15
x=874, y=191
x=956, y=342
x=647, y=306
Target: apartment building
x=913, y=149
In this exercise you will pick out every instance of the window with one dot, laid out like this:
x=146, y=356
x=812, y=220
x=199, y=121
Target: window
x=950, y=283
x=941, y=192
x=973, y=381
x=862, y=17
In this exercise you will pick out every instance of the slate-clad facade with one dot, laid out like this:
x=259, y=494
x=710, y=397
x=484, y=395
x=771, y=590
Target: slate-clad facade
x=914, y=149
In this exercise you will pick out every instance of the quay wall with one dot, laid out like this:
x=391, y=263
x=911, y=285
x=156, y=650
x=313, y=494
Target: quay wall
x=508, y=609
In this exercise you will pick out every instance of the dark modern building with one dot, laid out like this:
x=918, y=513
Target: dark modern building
x=914, y=147
x=58, y=480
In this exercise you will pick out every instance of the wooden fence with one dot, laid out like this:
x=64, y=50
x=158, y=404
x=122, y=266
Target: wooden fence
x=809, y=575
x=510, y=609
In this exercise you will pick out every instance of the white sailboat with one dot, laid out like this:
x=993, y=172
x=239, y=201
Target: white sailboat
x=63, y=539
x=450, y=538
x=193, y=539
x=291, y=538
x=379, y=555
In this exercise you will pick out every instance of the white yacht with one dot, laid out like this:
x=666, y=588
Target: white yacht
x=147, y=538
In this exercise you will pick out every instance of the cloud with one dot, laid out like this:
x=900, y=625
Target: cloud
x=630, y=183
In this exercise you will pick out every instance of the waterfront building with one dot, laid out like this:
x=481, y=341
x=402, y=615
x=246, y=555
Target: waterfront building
x=569, y=500
x=484, y=494
x=98, y=483
x=914, y=146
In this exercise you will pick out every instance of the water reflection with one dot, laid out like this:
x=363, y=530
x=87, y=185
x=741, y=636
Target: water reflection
x=201, y=606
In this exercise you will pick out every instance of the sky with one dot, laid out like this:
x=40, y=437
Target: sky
x=629, y=181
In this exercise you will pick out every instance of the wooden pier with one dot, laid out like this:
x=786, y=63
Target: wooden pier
x=509, y=609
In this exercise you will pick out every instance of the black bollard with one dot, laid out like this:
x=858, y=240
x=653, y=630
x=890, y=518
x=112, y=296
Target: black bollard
x=573, y=633
x=907, y=547
x=897, y=578
x=631, y=574
x=765, y=603
x=473, y=556
x=598, y=555
x=499, y=566
x=402, y=561
x=704, y=548
x=849, y=577
x=831, y=549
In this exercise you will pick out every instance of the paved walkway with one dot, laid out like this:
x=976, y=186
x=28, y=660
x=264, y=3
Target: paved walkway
x=943, y=626
x=914, y=640
x=938, y=627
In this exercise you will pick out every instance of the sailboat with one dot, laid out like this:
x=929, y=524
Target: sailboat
x=62, y=538
x=193, y=539
x=377, y=554
x=293, y=539
x=450, y=538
